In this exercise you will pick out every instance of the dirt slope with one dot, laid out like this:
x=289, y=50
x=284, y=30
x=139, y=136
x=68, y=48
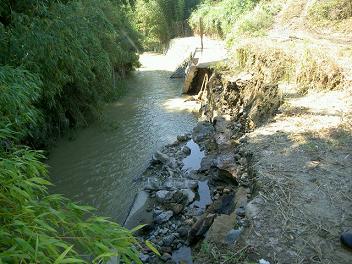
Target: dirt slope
x=303, y=162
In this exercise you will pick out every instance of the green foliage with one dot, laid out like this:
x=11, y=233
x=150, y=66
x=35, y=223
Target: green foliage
x=19, y=91
x=34, y=226
x=58, y=61
x=161, y=20
x=219, y=17
x=37, y=227
x=74, y=48
x=256, y=22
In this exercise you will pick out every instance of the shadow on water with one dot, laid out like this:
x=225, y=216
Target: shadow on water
x=99, y=166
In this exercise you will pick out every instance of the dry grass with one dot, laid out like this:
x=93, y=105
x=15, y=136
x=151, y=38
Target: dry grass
x=318, y=71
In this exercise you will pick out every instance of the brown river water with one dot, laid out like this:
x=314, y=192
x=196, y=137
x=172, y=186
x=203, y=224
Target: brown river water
x=99, y=166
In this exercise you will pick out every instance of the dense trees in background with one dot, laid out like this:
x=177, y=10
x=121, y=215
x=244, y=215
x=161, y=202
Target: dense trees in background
x=161, y=20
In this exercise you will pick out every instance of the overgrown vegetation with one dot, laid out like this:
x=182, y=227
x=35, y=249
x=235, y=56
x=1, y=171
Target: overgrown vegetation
x=34, y=226
x=74, y=49
x=59, y=62
x=219, y=17
x=161, y=20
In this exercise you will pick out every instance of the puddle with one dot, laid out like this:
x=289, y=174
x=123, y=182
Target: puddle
x=193, y=161
x=183, y=255
x=204, y=195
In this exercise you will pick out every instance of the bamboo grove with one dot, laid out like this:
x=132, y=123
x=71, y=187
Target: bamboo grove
x=59, y=62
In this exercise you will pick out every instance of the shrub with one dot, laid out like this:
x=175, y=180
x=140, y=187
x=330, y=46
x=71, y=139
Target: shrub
x=219, y=18
x=256, y=22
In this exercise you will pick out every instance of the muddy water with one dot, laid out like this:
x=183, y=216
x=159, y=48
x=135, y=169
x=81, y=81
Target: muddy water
x=98, y=167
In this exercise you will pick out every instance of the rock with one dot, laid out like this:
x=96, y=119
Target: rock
x=183, y=231
x=168, y=240
x=183, y=138
x=164, y=159
x=186, y=150
x=140, y=213
x=163, y=217
x=221, y=227
x=241, y=211
x=166, y=249
x=144, y=257
x=207, y=162
x=224, y=205
x=241, y=197
x=189, y=194
x=175, y=184
x=263, y=261
x=163, y=196
x=199, y=229
x=346, y=239
x=232, y=236
x=202, y=132
x=151, y=185
x=175, y=207
x=226, y=164
x=166, y=257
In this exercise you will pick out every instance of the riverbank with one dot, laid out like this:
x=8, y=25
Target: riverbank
x=196, y=190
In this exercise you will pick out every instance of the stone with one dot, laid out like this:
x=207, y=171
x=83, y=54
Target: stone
x=346, y=239
x=186, y=150
x=232, y=236
x=199, y=228
x=168, y=240
x=175, y=184
x=166, y=256
x=189, y=194
x=183, y=231
x=202, y=132
x=144, y=257
x=163, y=217
x=263, y=261
x=183, y=138
x=163, y=196
x=241, y=211
x=176, y=208
x=221, y=227
x=140, y=213
x=164, y=159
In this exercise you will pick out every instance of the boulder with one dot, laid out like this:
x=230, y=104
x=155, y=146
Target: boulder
x=220, y=229
x=162, y=217
x=186, y=150
x=189, y=194
x=140, y=212
x=164, y=196
x=199, y=229
x=165, y=159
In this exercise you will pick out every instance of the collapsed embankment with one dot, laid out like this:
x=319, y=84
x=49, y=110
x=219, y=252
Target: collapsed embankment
x=198, y=187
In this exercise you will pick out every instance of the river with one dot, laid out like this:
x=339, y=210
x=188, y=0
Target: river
x=99, y=166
